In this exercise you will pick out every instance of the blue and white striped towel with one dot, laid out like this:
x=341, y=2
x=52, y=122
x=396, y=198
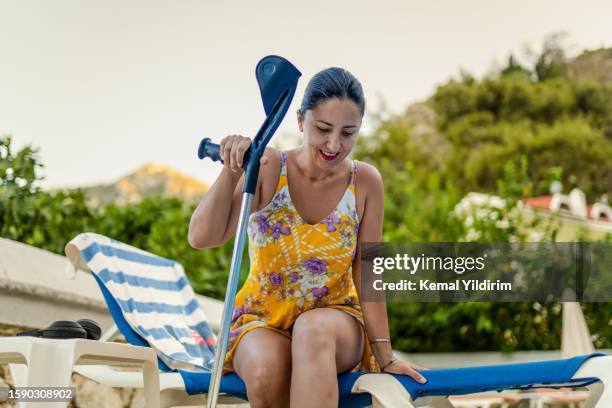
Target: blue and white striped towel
x=155, y=297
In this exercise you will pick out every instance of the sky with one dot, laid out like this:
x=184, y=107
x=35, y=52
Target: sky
x=104, y=87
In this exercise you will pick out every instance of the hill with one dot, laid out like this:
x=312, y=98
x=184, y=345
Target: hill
x=593, y=64
x=148, y=180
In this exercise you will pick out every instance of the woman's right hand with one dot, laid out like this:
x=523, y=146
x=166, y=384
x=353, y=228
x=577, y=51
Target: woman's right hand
x=214, y=221
x=232, y=149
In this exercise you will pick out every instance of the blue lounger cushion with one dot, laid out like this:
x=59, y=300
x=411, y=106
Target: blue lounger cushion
x=469, y=380
x=454, y=381
x=197, y=383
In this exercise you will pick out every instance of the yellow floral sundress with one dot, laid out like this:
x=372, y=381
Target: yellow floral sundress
x=296, y=266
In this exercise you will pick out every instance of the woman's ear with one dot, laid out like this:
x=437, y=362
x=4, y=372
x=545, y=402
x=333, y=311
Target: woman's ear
x=300, y=120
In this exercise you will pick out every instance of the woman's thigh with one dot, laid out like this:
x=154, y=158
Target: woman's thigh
x=262, y=352
x=337, y=326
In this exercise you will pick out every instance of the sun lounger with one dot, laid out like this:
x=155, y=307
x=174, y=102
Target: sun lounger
x=102, y=256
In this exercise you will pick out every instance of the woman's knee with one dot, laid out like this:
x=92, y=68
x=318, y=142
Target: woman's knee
x=313, y=331
x=327, y=333
x=263, y=361
x=266, y=381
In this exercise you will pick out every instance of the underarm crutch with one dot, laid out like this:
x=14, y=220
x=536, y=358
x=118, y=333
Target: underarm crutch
x=277, y=79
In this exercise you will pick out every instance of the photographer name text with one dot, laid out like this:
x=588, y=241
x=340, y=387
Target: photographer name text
x=428, y=285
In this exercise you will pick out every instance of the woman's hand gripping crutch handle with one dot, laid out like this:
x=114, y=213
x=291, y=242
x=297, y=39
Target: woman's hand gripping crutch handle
x=212, y=150
x=250, y=161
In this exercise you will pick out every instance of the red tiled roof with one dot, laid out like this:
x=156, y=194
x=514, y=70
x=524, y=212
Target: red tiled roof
x=543, y=203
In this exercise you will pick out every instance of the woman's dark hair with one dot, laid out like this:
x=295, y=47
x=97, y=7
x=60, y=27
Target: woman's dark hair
x=333, y=83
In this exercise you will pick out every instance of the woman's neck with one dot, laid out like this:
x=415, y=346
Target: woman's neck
x=306, y=167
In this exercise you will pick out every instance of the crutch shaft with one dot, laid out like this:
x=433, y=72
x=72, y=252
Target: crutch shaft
x=230, y=295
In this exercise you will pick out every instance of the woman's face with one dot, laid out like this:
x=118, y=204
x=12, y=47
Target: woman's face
x=330, y=131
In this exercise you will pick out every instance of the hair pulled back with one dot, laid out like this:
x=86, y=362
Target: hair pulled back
x=333, y=83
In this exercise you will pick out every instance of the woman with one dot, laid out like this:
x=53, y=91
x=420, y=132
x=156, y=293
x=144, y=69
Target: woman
x=297, y=320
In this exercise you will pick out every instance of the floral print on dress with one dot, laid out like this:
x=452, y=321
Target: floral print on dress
x=272, y=228
x=280, y=200
x=332, y=221
x=320, y=294
x=273, y=284
x=262, y=229
x=296, y=266
x=276, y=279
x=315, y=266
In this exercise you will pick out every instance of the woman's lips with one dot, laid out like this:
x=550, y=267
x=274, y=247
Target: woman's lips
x=327, y=158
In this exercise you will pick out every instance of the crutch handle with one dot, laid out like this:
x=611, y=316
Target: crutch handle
x=211, y=150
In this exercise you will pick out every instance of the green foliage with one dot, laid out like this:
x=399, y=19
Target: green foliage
x=207, y=270
x=159, y=225
x=18, y=171
x=514, y=67
x=542, y=113
x=555, y=123
x=30, y=215
x=551, y=62
x=472, y=326
x=47, y=219
x=17, y=178
x=418, y=200
x=516, y=182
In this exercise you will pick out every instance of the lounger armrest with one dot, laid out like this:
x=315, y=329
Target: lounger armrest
x=601, y=392
x=385, y=390
x=597, y=367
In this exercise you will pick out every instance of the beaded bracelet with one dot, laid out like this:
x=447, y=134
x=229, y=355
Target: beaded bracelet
x=380, y=341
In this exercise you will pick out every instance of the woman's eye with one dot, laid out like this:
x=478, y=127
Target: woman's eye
x=322, y=130
x=348, y=134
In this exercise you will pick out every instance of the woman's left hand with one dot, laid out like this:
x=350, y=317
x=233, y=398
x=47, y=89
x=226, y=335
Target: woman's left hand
x=406, y=368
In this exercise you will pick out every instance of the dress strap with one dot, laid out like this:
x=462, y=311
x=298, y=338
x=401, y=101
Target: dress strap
x=283, y=164
x=353, y=181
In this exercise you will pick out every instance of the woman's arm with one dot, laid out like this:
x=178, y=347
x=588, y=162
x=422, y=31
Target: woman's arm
x=211, y=218
x=370, y=230
x=215, y=219
x=375, y=312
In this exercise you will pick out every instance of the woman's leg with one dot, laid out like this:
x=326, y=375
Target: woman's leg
x=263, y=361
x=325, y=342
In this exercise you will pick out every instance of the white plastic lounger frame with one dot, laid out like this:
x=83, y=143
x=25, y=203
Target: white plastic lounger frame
x=170, y=390
x=39, y=362
x=386, y=391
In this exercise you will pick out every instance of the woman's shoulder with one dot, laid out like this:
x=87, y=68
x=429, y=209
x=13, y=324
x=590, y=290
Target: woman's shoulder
x=367, y=177
x=270, y=169
x=268, y=176
x=368, y=186
x=271, y=153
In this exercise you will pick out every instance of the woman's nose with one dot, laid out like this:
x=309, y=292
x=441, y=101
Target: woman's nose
x=333, y=143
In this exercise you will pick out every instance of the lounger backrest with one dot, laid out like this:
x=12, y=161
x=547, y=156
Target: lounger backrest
x=153, y=296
